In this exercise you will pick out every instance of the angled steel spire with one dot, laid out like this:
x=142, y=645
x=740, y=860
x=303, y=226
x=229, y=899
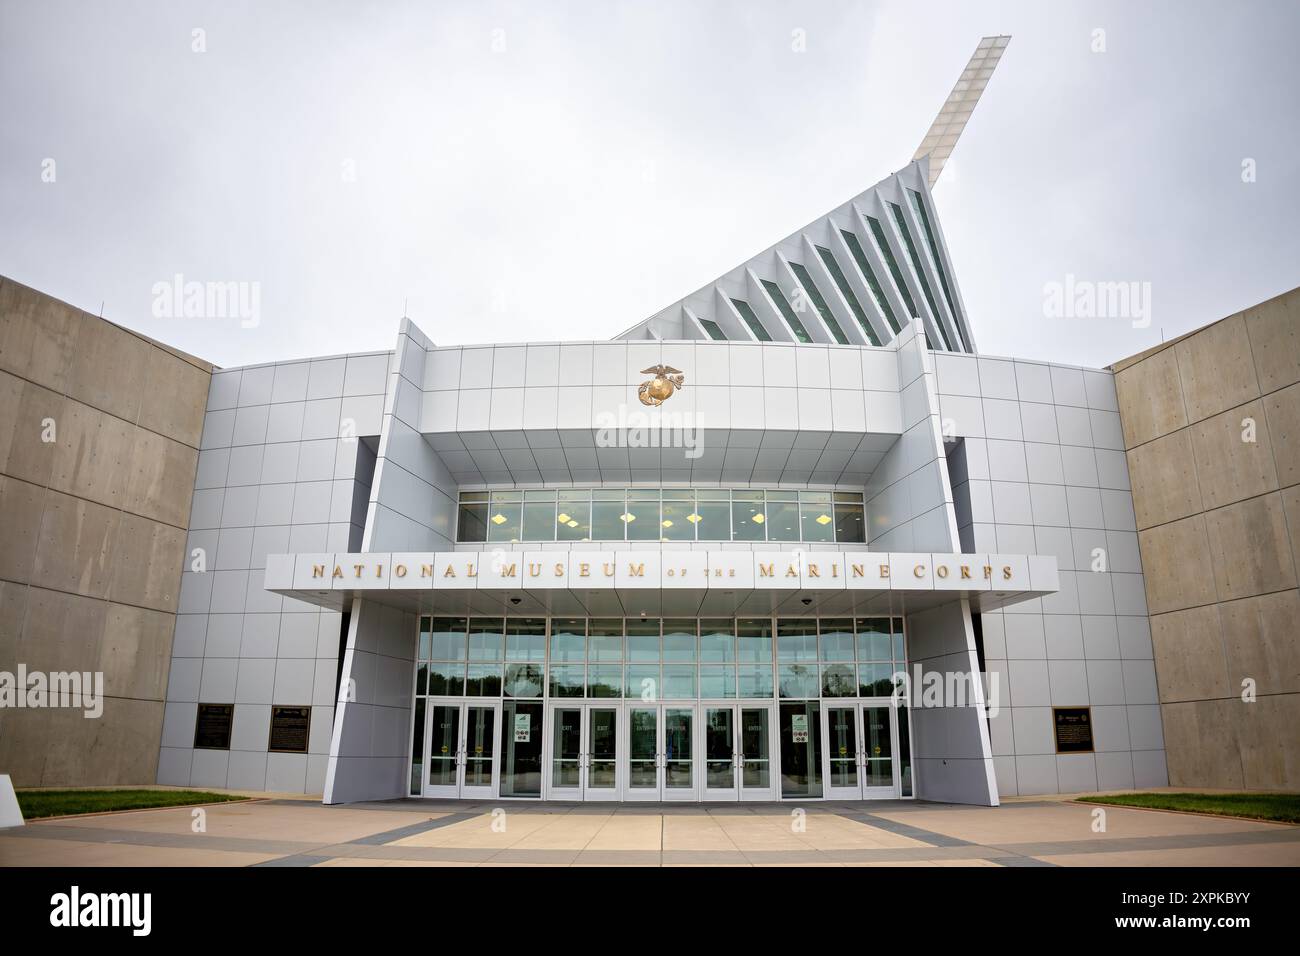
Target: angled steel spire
x=950, y=122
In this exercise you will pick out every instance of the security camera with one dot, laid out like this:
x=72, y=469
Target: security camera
x=514, y=600
x=807, y=601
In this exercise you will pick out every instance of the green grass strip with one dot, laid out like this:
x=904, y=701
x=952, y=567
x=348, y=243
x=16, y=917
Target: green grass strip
x=61, y=803
x=1278, y=807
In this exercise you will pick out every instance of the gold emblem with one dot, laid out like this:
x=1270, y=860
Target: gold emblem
x=660, y=388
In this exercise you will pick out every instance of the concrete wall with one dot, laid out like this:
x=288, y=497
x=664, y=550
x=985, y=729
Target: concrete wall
x=1040, y=470
x=92, y=530
x=1218, y=519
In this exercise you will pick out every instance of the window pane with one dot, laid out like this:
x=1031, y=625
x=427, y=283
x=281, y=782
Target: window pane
x=849, y=524
x=484, y=680
x=679, y=640
x=642, y=517
x=717, y=681
x=713, y=521
x=869, y=274
x=539, y=517
x=472, y=522
x=873, y=639
x=605, y=680
x=796, y=640
x=675, y=522
x=567, y=680
x=679, y=681
x=485, y=639
x=446, y=680
x=643, y=640
x=819, y=303
x=643, y=682
x=568, y=640
x=503, y=520
x=607, y=520
x=875, y=680
x=754, y=642
x=606, y=640
x=573, y=520
x=711, y=327
x=751, y=320
x=837, y=639
x=447, y=639
x=525, y=639
x=815, y=516
x=747, y=516
x=833, y=267
x=787, y=312
x=838, y=681
x=717, y=640
x=799, y=680
x=754, y=680
x=523, y=680
x=782, y=517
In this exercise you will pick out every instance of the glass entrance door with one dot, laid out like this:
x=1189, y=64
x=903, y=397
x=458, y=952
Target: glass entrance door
x=583, y=762
x=736, y=744
x=464, y=740
x=801, y=749
x=661, y=753
x=860, y=750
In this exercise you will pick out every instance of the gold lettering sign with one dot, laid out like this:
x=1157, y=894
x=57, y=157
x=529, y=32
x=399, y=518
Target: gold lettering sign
x=941, y=571
x=965, y=572
x=608, y=568
x=884, y=570
x=791, y=572
x=918, y=571
x=584, y=569
x=559, y=569
x=1006, y=572
x=766, y=570
x=318, y=570
x=813, y=572
x=636, y=570
x=357, y=568
x=469, y=570
x=426, y=570
x=338, y=571
x=859, y=571
x=508, y=571
x=534, y=569
x=400, y=570
x=988, y=572
x=450, y=572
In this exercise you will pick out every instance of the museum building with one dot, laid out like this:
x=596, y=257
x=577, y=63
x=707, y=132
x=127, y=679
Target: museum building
x=726, y=555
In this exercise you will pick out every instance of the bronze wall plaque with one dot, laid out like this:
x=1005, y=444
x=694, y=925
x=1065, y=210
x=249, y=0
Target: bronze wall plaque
x=289, y=729
x=1073, y=726
x=212, y=727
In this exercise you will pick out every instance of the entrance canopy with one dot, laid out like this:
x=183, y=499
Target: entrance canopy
x=662, y=582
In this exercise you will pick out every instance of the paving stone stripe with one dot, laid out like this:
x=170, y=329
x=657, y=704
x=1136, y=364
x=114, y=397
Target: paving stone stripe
x=414, y=829
x=905, y=829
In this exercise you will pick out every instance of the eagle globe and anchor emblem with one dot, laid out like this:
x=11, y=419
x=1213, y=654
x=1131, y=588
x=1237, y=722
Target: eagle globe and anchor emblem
x=660, y=388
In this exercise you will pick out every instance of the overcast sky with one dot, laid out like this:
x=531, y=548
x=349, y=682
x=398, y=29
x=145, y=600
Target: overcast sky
x=552, y=171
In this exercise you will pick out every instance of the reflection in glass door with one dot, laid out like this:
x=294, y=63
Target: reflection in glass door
x=463, y=746
x=860, y=750
x=801, y=757
x=737, y=752
x=661, y=753
x=843, y=781
x=583, y=753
